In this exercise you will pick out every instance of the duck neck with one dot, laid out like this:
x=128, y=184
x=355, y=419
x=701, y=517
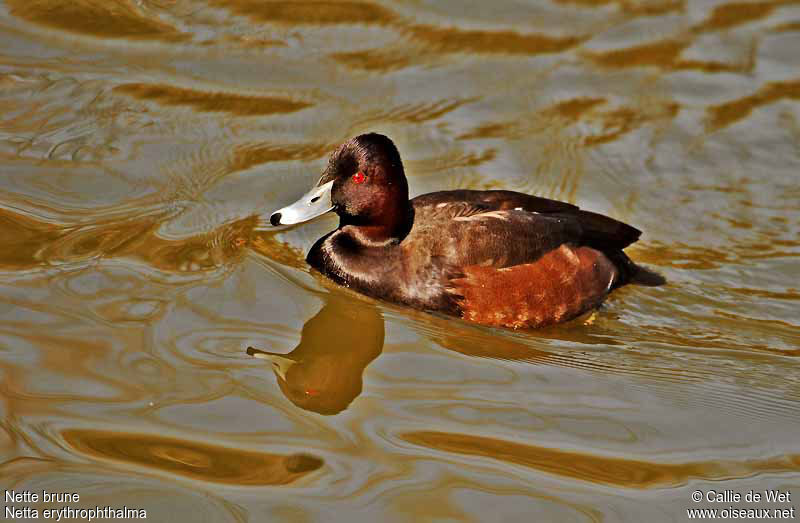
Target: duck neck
x=391, y=226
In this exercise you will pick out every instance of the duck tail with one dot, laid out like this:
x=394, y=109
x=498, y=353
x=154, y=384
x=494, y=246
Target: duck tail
x=630, y=272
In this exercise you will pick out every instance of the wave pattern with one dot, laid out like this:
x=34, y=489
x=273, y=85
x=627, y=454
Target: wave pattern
x=162, y=348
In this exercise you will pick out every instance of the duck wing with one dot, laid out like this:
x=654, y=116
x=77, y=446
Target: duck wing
x=494, y=200
x=588, y=228
x=502, y=238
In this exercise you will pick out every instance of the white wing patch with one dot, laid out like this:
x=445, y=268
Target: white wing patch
x=499, y=215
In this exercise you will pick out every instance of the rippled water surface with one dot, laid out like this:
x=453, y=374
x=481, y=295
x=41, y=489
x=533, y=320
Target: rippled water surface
x=159, y=350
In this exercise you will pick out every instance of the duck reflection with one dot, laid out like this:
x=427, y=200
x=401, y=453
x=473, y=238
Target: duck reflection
x=323, y=373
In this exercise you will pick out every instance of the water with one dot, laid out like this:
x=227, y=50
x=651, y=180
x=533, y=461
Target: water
x=140, y=140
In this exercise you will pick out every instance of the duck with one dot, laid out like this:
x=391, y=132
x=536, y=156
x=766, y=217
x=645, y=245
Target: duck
x=494, y=257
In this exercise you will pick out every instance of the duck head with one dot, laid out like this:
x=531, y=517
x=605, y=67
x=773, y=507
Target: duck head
x=364, y=183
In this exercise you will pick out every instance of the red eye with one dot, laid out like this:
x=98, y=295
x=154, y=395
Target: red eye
x=359, y=177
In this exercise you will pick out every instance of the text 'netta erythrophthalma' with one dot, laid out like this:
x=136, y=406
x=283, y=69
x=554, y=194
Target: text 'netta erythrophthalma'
x=498, y=258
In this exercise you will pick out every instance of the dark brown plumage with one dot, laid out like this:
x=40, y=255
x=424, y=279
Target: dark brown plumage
x=494, y=257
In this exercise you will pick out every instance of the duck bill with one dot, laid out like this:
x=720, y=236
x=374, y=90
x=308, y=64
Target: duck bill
x=280, y=363
x=315, y=202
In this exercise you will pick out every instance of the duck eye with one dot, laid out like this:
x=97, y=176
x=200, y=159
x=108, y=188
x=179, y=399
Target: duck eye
x=359, y=177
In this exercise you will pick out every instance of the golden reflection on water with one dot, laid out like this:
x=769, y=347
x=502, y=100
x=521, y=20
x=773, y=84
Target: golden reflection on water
x=647, y=7
x=620, y=472
x=142, y=145
x=104, y=19
x=247, y=156
x=317, y=13
x=732, y=14
x=454, y=40
x=735, y=110
x=239, y=105
x=193, y=459
x=35, y=243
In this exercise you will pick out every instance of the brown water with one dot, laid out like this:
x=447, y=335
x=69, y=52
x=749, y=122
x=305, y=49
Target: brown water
x=139, y=140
